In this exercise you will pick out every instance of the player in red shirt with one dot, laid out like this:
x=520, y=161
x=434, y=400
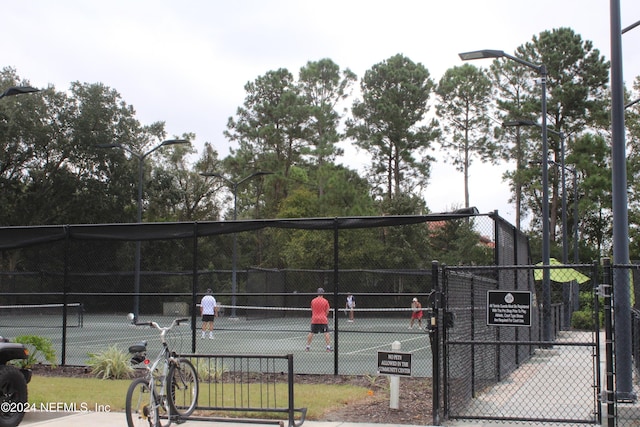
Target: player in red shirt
x=416, y=313
x=319, y=319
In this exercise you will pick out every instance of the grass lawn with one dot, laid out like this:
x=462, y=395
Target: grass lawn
x=90, y=393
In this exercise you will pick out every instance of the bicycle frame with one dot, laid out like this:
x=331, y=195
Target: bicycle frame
x=158, y=382
x=158, y=370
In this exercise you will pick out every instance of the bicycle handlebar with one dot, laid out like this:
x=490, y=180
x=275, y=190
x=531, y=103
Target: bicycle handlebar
x=157, y=326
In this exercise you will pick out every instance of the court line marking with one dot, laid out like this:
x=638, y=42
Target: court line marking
x=383, y=346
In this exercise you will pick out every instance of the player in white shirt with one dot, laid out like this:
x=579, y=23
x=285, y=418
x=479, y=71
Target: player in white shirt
x=351, y=304
x=208, y=311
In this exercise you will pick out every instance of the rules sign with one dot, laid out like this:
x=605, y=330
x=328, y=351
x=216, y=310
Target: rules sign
x=392, y=363
x=508, y=308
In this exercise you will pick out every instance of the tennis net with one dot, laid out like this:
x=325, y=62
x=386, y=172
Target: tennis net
x=263, y=312
x=41, y=315
x=287, y=319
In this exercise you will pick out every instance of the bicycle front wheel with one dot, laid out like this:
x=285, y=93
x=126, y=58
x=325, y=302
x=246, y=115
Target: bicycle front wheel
x=138, y=406
x=144, y=407
x=182, y=388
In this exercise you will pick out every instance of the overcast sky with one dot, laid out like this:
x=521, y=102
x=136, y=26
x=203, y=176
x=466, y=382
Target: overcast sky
x=186, y=62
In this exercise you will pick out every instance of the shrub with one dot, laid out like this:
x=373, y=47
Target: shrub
x=111, y=363
x=582, y=320
x=40, y=350
x=208, y=371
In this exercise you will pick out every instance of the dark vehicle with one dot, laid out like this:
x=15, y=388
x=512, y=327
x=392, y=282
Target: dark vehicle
x=13, y=383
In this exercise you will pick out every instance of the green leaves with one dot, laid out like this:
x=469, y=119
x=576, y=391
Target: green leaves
x=387, y=123
x=40, y=350
x=464, y=99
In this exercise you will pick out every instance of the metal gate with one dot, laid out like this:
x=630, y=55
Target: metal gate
x=495, y=364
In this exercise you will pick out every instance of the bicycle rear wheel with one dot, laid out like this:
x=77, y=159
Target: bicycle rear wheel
x=182, y=388
x=143, y=406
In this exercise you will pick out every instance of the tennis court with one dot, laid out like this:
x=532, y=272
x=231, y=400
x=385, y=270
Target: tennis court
x=265, y=333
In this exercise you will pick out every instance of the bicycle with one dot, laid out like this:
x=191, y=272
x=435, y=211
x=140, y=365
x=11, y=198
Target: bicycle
x=168, y=391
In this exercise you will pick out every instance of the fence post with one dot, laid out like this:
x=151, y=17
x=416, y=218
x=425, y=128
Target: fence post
x=65, y=294
x=435, y=343
x=336, y=290
x=290, y=389
x=609, y=392
x=194, y=288
x=596, y=329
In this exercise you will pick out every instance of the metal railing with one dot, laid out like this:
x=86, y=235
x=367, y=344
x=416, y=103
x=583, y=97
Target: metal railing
x=246, y=385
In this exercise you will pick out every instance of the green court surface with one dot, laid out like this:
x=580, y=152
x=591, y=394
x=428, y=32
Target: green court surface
x=357, y=346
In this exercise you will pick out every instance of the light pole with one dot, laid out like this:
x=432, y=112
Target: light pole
x=140, y=157
x=576, y=258
x=17, y=90
x=622, y=302
x=234, y=254
x=546, y=279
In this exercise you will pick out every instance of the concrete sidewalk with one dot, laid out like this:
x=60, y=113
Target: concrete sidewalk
x=110, y=419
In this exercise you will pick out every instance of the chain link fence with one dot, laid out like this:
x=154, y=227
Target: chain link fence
x=621, y=389
x=264, y=282
x=496, y=365
x=75, y=285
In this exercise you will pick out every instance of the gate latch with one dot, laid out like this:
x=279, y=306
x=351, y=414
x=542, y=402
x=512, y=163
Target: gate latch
x=601, y=290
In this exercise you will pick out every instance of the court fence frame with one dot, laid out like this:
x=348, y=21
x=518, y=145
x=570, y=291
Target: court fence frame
x=60, y=278
x=90, y=264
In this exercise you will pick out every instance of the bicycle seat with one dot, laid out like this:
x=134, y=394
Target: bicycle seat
x=138, y=347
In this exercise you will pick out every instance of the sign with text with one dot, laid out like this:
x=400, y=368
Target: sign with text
x=508, y=308
x=394, y=363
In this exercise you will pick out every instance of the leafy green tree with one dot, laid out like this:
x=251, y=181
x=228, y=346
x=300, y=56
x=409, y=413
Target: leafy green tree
x=576, y=100
x=346, y=195
x=455, y=242
x=632, y=122
x=177, y=191
x=19, y=117
x=270, y=130
x=51, y=168
x=591, y=156
x=511, y=85
x=200, y=205
x=387, y=124
x=324, y=86
x=290, y=128
x=405, y=246
x=464, y=99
